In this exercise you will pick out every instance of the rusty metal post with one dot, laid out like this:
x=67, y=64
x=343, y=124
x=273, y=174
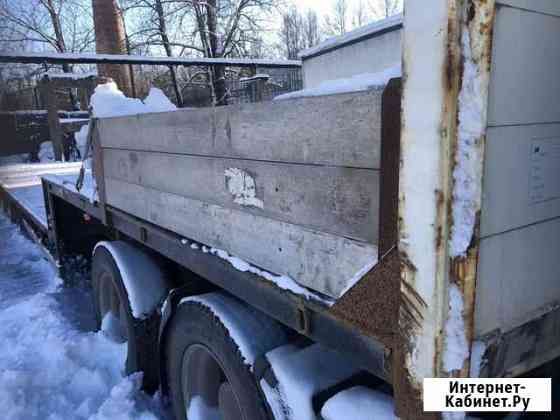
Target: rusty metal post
x=436, y=48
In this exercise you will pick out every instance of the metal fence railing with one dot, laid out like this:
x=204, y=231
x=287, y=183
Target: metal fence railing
x=263, y=87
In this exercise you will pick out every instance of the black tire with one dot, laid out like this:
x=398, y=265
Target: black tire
x=141, y=335
x=196, y=326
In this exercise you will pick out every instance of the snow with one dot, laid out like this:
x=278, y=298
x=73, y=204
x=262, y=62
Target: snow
x=81, y=140
x=139, y=59
x=478, y=349
x=68, y=182
x=108, y=101
x=468, y=165
x=359, y=403
x=456, y=347
x=156, y=101
x=198, y=410
x=357, y=83
x=356, y=34
x=143, y=280
x=257, y=76
x=302, y=373
x=242, y=321
x=46, y=152
x=51, y=365
x=283, y=282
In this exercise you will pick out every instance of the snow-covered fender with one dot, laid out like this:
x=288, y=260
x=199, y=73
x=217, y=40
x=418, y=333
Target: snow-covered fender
x=253, y=348
x=146, y=285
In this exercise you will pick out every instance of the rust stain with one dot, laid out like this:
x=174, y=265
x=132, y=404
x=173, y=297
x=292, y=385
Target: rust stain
x=463, y=270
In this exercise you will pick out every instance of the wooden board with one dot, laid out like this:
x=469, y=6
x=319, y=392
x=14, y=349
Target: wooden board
x=336, y=200
x=319, y=261
x=337, y=130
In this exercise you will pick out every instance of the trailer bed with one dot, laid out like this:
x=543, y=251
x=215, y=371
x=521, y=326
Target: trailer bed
x=20, y=187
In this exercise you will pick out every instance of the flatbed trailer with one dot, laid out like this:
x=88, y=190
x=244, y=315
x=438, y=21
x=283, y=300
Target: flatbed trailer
x=445, y=181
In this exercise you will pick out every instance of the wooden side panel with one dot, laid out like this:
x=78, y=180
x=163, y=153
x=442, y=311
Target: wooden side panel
x=338, y=130
x=390, y=160
x=338, y=200
x=319, y=261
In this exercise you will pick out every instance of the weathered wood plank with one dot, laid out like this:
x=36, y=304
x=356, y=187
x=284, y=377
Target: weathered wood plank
x=336, y=200
x=337, y=130
x=320, y=261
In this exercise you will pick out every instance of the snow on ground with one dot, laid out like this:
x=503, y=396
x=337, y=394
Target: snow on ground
x=359, y=403
x=52, y=366
x=357, y=83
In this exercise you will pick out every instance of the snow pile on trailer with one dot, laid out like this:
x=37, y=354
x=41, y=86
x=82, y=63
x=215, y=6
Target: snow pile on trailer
x=301, y=373
x=108, y=101
x=283, y=282
x=357, y=83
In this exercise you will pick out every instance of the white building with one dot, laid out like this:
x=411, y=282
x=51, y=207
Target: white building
x=351, y=54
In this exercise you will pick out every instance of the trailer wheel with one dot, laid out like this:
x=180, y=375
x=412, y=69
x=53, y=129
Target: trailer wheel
x=207, y=375
x=114, y=316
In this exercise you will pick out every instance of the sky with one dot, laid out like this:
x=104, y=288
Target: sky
x=322, y=6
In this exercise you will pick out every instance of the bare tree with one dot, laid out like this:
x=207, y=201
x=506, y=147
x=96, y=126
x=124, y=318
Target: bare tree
x=382, y=9
x=337, y=22
x=63, y=25
x=156, y=16
x=312, y=30
x=360, y=16
x=110, y=38
x=224, y=27
x=298, y=31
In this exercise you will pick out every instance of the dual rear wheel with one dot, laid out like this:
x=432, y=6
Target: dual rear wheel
x=207, y=376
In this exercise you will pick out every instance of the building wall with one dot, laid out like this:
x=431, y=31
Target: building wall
x=367, y=56
x=519, y=269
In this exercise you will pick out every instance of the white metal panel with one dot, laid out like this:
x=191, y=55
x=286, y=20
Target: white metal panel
x=544, y=6
x=521, y=178
x=525, y=84
x=518, y=276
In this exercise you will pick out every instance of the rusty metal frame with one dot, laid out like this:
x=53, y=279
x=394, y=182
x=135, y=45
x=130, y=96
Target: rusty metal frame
x=427, y=278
